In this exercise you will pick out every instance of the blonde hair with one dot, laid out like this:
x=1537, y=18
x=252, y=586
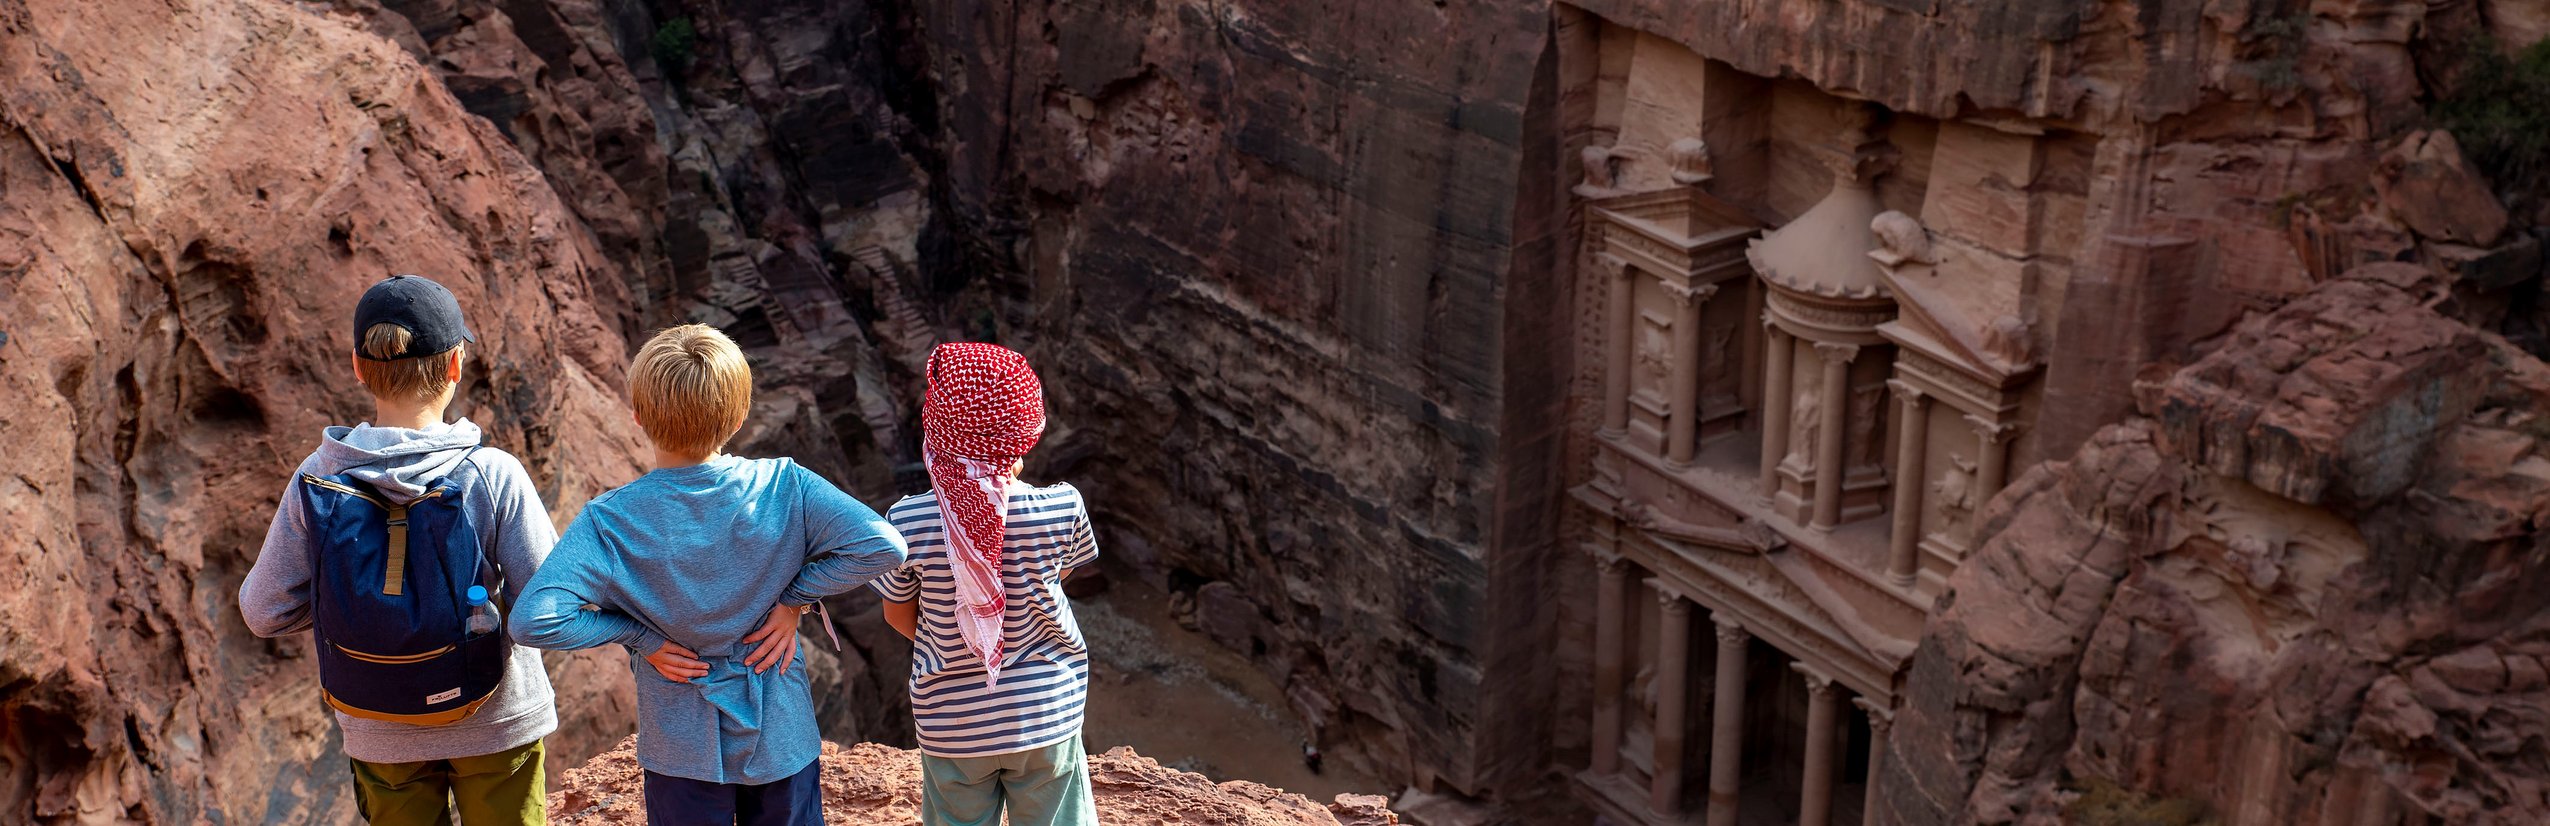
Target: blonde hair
x=691, y=388
x=412, y=379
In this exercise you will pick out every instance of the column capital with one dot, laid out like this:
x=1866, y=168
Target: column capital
x=1730, y=630
x=1907, y=393
x=1819, y=685
x=1671, y=603
x=1991, y=431
x=1611, y=565
x=1834, y=351
x=1771, y=324
x=1692, y=295
x=1880, y=717
x=1613, y=265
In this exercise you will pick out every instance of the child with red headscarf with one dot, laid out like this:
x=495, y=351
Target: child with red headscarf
x=1000, y=673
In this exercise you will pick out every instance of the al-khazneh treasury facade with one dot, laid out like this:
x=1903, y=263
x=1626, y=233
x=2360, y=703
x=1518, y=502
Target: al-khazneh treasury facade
x=1819, y=335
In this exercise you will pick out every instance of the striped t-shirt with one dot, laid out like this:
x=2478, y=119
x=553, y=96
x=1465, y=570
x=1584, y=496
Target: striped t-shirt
x=1045, y=669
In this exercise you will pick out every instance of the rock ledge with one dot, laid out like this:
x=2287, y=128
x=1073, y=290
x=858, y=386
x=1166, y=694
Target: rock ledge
x=871, y=784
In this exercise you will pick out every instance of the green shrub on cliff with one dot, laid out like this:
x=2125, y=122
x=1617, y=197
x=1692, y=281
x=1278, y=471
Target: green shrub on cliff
x=672, y=45
x=2499, y=110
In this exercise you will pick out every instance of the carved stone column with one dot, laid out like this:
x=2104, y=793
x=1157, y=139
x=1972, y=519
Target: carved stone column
x=1776, y=398
x=1828, y=435
x=1726, y=721
x=1823, y=708
x=1673, y=667
x=1903, y=543
x=1611, y=593
x=1618, y=329
x=1683, y=430
x=1995, y=462
x=1880, y=722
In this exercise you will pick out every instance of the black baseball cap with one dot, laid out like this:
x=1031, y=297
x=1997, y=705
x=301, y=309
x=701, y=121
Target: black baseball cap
x=429, y=313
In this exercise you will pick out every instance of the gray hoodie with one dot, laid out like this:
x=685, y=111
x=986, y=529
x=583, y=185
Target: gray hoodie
x=402, y=464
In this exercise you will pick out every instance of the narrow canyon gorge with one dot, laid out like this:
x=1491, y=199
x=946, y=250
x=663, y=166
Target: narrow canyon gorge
x=1646, y=412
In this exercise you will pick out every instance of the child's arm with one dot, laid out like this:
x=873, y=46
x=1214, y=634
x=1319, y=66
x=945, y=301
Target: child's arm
x=564, y=607
x=274, y=599
x=846, y=544
x=901, y=588
x=1084, y=539
x=521, y=533
x=905, y=616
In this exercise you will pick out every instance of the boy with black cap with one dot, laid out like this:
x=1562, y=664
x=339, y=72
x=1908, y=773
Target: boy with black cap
x=399, y=542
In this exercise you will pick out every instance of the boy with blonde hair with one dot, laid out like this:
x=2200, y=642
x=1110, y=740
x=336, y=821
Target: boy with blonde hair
x=390, y=540
x=701, y=568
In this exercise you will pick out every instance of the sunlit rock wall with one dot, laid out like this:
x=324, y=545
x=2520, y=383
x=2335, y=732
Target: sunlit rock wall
x=192, y=195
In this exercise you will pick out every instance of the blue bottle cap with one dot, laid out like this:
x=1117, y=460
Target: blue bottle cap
x=478, y=595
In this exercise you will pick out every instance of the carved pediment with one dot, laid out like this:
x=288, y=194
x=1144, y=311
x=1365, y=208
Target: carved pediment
x=1781, y=601
x=1687, y=212
x=1997, y=348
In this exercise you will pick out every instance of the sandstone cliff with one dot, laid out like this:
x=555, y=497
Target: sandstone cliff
x=194, y=194
x=2295, y=589
x=872, y=785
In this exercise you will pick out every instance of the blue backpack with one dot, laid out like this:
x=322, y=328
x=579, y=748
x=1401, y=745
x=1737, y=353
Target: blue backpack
x=390, y=604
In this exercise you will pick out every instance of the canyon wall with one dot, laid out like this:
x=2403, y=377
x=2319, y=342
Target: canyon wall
x=195, y=193
x=1285, y=273
x=2294, y=589
x=1301, y=279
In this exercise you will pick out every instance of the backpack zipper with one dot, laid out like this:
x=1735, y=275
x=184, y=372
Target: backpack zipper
x=385, y=659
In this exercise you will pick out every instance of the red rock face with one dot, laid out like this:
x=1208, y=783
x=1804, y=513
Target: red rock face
x=2291, y=590
x=197, y=192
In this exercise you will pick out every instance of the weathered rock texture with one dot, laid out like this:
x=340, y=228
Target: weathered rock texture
x=872, y=785
x=2294, y=590
x=191, y=196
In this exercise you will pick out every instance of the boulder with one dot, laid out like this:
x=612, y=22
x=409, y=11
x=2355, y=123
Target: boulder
x=2425, y=184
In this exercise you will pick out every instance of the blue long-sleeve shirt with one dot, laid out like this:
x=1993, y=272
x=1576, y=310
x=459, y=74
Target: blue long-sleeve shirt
x=699, y=555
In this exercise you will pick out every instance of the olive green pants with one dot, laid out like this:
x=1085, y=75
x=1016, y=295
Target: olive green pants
x=489, y=790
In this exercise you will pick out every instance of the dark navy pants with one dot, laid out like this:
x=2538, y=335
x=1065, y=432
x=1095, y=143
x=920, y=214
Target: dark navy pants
x=678, y=801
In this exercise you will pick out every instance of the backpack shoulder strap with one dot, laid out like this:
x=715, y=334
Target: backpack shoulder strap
x=486, y=554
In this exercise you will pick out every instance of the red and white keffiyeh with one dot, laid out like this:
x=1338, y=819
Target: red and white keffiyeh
x=983, y=411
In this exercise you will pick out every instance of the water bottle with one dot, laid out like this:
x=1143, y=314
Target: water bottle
x=482, y=614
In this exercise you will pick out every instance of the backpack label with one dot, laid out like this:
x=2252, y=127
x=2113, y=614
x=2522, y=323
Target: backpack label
x=444, y=697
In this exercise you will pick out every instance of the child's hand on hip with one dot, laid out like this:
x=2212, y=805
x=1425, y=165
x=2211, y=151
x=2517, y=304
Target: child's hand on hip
x=677, y=663
x=777, y=638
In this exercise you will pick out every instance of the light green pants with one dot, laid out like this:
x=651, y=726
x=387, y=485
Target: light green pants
x=498, y=789
x=1042, y=787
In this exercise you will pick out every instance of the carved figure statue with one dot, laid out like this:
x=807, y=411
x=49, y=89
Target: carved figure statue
x=1953, y=491
x=1867, y=405
x=1803, y=417
x=1715, y=360
x=1599, y=170
x=1691, y=164
x=2006, y=339
x=1901, y=238
x=1652, y=347
x=1643, y=687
